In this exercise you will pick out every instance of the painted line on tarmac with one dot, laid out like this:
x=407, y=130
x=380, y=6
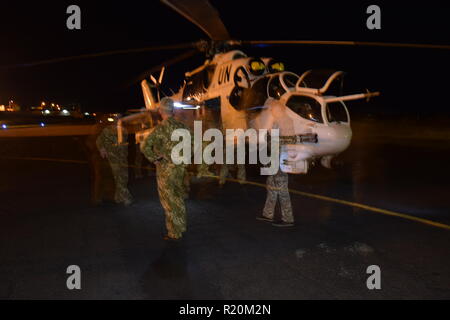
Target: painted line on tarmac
x=301, y=193
x=355, y=205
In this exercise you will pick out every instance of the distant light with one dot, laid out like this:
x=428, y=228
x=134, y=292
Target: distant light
x=86, y=113
x=110, y=119
x=53, y=104
x=4, y=126
x=42, y=103
x=46, y=111
x=65, y=111
x=42, y=124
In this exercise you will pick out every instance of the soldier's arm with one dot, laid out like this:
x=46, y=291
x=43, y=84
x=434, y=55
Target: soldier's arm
x=106, y=139
x=149, y=143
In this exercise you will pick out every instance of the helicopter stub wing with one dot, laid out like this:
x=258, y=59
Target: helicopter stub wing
x=202, y=14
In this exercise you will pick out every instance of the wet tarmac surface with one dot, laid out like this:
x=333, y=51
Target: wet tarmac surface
x=48, y=224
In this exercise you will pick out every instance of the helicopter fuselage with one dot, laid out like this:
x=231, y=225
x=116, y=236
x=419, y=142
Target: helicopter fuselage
x=230, y=92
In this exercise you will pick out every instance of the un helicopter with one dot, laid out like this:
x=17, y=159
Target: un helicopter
x=230, y=89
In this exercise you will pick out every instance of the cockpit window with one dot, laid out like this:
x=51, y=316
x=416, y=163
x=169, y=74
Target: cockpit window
x=253, y=98
x=336, y=112
x=290, y=80
x=276, y=90
x=306, y=107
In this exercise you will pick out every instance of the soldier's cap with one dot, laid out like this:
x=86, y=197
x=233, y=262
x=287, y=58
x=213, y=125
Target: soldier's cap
x=166, y=105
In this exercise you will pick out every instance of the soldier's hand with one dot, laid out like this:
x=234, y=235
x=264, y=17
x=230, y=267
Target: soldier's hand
x=103, y=153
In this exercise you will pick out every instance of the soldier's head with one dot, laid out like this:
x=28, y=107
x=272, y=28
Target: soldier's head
x=166, y=107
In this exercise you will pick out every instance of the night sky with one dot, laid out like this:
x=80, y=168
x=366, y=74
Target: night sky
x=412, y=81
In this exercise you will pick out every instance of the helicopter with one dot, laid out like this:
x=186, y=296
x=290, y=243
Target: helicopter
x=230, y=89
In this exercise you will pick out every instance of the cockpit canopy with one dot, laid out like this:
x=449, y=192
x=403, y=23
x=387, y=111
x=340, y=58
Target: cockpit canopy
x=281, y=83
x=310, y=108
x=337, y=112
x=306, y=107
x=321, y=81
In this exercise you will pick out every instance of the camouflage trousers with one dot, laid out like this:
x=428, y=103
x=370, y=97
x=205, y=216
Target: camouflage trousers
x=225, y=172
x=102, y=179
x=172, y=192
x=277, y=189
x=119, y=170
x=139, y=171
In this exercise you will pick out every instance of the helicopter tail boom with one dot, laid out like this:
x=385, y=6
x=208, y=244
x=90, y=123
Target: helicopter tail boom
x=150, y=102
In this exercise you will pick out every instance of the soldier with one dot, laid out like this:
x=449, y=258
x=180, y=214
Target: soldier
x=170, y=177
x=140, y=163
x=277, y=185
x=225, y=168
x=277, y=189
x=117, y=155
x=225, y=173
x=101, y=177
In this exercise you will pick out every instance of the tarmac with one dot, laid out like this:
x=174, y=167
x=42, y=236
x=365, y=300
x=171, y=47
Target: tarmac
x=385, y=203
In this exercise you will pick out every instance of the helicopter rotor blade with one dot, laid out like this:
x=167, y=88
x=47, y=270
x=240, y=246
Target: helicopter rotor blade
x=103, y=54
x=346, y=43
x=203, y=15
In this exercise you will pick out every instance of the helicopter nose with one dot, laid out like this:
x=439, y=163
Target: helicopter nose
x=337, y=138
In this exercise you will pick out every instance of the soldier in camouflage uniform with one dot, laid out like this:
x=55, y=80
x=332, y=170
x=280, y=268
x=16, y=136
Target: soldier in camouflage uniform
x=277, y=185
x=225, y=173
x=117, y=155
x=277, y=189
x=170, y=177
x=225, y=168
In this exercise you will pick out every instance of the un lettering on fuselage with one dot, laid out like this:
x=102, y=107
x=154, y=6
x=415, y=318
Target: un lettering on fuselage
x=224, y=75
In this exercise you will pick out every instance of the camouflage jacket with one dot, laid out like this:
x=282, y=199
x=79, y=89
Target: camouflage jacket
x=158, y=145
x=108, y=140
